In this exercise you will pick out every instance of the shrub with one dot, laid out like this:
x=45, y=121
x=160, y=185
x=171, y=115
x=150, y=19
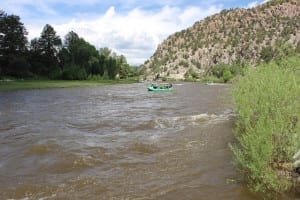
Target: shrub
x=267, y=53
x=55, y=73
x=227, y=75
x=74, y=72
x=219, y=69
x=191, y=75
x=267, y=125
x=19, y=67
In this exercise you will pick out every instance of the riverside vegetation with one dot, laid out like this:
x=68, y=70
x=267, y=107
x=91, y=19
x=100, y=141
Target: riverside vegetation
x=267, y=125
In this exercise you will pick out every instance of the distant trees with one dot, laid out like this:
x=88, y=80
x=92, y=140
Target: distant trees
x=50, y=57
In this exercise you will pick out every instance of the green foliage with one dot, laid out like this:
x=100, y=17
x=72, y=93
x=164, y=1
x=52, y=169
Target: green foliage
x=74, y=72
x=267, y=124
x=93, y=77
x=55, y=73
x=18, y=67
x=227, y=75
x=94, y=65
x=267, y=53
x=46, y=57
x=112, y=68
x=124, y=71
x=71, y=38
x=195, y=75
x=280, y=51
x=191, y=75
x=225, y=72
x=48, y=45
x=13, y=42
x=218, y=70
x=82, y=53
x=284, y=50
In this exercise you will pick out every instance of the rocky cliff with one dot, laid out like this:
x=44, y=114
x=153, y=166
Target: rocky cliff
x=235, y=35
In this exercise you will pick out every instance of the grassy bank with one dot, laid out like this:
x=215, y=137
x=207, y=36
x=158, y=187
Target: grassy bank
x=267, y=125
x=42, y=84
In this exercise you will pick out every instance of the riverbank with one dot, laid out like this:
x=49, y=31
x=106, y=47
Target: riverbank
x=267, y=126
x=7, y=85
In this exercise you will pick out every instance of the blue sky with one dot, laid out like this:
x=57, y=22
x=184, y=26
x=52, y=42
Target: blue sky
x=133, y=28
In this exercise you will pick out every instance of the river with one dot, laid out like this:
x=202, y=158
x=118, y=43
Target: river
x=118, y=142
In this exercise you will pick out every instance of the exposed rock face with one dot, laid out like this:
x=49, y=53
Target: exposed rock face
x=230, y=36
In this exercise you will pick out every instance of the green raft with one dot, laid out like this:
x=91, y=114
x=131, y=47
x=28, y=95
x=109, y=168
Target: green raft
x=160, y=87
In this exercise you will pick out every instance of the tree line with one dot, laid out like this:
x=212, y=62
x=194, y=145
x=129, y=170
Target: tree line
x=49, y=57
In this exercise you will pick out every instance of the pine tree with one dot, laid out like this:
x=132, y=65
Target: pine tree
x=13, y=41
x=49, y=44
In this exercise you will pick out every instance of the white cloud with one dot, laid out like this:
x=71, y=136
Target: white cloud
x=137, y=33
x=252, y=4
x=134, y=33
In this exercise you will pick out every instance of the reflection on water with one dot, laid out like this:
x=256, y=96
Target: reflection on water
x=118, y=142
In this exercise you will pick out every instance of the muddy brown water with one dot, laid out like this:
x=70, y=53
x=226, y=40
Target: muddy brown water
x=118, y=142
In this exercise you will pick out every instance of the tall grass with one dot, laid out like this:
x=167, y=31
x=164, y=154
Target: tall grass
x=267, y=101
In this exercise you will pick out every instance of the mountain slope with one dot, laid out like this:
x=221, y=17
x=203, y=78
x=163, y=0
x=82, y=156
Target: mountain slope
x=236, y=35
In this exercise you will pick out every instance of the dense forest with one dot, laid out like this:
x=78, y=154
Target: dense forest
x=51, y=57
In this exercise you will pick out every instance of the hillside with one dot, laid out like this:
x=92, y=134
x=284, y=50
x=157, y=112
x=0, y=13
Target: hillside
x=231, y=36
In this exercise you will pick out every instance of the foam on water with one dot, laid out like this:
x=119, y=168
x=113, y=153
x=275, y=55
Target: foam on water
x=181, y=122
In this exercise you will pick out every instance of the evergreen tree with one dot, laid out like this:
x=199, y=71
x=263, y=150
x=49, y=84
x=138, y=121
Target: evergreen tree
x=38, y=66
x=49, y=45
x=70, y=38
x=66, y=55
x=13, y=48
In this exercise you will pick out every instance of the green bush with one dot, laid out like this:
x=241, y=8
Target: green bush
x=191, y=75
x=267, y=123
x=94, y=77
x=226, y=72
x=55, y=73
x=74, y=72
x=227, y=75
x=267, y=53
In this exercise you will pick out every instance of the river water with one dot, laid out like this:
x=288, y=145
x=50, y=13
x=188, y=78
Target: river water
x=118, y=142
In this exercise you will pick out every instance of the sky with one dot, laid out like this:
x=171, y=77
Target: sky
x=133, y=28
